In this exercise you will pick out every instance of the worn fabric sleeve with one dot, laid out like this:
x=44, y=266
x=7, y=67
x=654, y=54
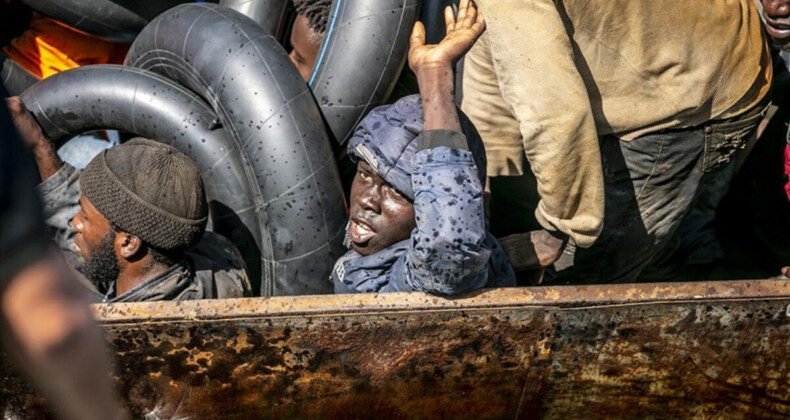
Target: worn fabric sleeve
x=491, y=115
x=538, y=77
x=447, y=253
x=61, y=196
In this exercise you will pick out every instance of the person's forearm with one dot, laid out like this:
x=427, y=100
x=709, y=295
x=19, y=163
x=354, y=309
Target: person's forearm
x=47, y=160
x=54, y=338
x=438, y=98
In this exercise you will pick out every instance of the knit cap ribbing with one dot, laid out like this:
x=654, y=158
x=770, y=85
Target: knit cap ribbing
x=150, y=190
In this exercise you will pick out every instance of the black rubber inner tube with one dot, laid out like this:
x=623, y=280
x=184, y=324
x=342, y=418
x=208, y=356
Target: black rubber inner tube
x=113, y=20
x=267, y=109
x=432, y=16
x=364, y=50
x=15, y=78
x=271, y=15
x=148, y=105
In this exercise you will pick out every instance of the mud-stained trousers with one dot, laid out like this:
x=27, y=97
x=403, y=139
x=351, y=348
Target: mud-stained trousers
x=650, y=184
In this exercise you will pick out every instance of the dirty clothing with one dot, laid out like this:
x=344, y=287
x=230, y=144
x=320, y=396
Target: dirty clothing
x=449, y=252
x=23, y=238
x=212, y=269
x=571, y=71
x=650, y=184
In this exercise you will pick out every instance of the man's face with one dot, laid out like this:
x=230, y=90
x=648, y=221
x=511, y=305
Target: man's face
x=380, y=216
x=777, y=21
x=95, y=242
x=306, y=44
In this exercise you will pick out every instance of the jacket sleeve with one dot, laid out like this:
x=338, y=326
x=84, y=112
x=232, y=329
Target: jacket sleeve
x=447, y=253
x=60, y=195
x=534, y=59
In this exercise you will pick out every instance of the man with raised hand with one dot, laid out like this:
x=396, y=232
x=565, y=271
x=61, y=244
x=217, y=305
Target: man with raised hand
x=416, y=218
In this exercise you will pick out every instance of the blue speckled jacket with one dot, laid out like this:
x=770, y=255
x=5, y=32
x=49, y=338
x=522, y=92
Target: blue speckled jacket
x=450, y=251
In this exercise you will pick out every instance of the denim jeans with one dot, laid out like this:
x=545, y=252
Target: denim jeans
x=650, y=184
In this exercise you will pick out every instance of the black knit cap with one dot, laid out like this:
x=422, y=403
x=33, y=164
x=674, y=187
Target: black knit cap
x=150, y=190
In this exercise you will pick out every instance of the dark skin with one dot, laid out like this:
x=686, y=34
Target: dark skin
x=777, y=21
x=136, y=263
x=306, y=43
x=379, y=215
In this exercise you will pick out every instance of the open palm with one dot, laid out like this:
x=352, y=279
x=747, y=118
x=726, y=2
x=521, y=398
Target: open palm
x=462, y=32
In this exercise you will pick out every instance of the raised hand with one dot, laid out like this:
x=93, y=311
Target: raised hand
x=462, y=32
x=29, y=131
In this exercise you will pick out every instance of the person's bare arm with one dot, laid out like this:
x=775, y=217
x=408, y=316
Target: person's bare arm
x=433, y=64
x=30, y=132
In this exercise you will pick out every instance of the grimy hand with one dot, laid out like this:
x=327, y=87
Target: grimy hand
x=30, y=132
x=462, y=32
x=25, y=124
x=536, y=249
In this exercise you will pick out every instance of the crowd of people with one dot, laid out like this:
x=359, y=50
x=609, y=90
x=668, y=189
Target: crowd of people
x=600, y=137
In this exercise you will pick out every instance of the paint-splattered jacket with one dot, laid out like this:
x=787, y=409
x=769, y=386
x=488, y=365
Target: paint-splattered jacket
x=212, y=269
x=450, y=251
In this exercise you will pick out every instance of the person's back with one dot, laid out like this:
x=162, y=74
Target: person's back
x=646, y=64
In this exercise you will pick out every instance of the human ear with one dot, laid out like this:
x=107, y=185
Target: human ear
x=128, y=245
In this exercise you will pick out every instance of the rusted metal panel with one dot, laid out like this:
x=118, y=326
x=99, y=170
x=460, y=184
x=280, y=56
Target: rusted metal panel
x=704, y=350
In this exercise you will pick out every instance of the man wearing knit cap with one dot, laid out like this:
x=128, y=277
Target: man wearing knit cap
x=134, y=221
x=416, y=210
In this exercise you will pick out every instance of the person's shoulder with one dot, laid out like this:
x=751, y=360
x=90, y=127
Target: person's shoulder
x=215, y=247
x=217, y=259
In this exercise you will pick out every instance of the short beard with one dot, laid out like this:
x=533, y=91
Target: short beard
x=102, y=267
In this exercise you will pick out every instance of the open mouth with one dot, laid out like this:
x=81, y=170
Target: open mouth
x=359, y=232
x=779, y=30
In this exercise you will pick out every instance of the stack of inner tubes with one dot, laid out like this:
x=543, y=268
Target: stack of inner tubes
x=113, y=20
x=219, y=87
